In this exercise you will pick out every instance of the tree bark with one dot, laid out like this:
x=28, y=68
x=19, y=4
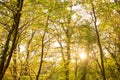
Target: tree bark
x=14, y=31
x=67, y=64
x=15, y=66
x=42, y=50
x=99, y=43
x=41, y=61
x=27, y=62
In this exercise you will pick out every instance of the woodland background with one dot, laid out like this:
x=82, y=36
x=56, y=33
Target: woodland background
x=59, y=39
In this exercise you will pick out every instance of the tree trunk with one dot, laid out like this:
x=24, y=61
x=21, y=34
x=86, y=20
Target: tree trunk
x=14, y=31
x=67, y=64
x=67, y=61
x=99, y=44
x=15, y=66
x=41, y=61
x=42, y=50
x=27, y=62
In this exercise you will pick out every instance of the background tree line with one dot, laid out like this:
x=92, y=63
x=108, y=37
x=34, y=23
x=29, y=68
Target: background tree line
x=59, y=39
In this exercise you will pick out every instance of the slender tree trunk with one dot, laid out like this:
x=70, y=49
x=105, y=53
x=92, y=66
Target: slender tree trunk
x=76, y=68
x=84, y=71
x=27, y=62
x=67, y=61
x=67, y=64
x=41, y=61
x=42, y=50
x=14, y=31
x=118, y=52
x=15, y=66
x=68, y=41
x=99, y=44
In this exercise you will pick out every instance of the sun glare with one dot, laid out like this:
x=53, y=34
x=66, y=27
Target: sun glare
x=83, y=56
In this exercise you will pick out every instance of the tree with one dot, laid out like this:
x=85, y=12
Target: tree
x=13, y=31
x=99, y=43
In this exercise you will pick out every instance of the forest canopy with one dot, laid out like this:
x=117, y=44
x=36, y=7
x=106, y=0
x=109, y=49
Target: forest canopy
x=59, y=39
